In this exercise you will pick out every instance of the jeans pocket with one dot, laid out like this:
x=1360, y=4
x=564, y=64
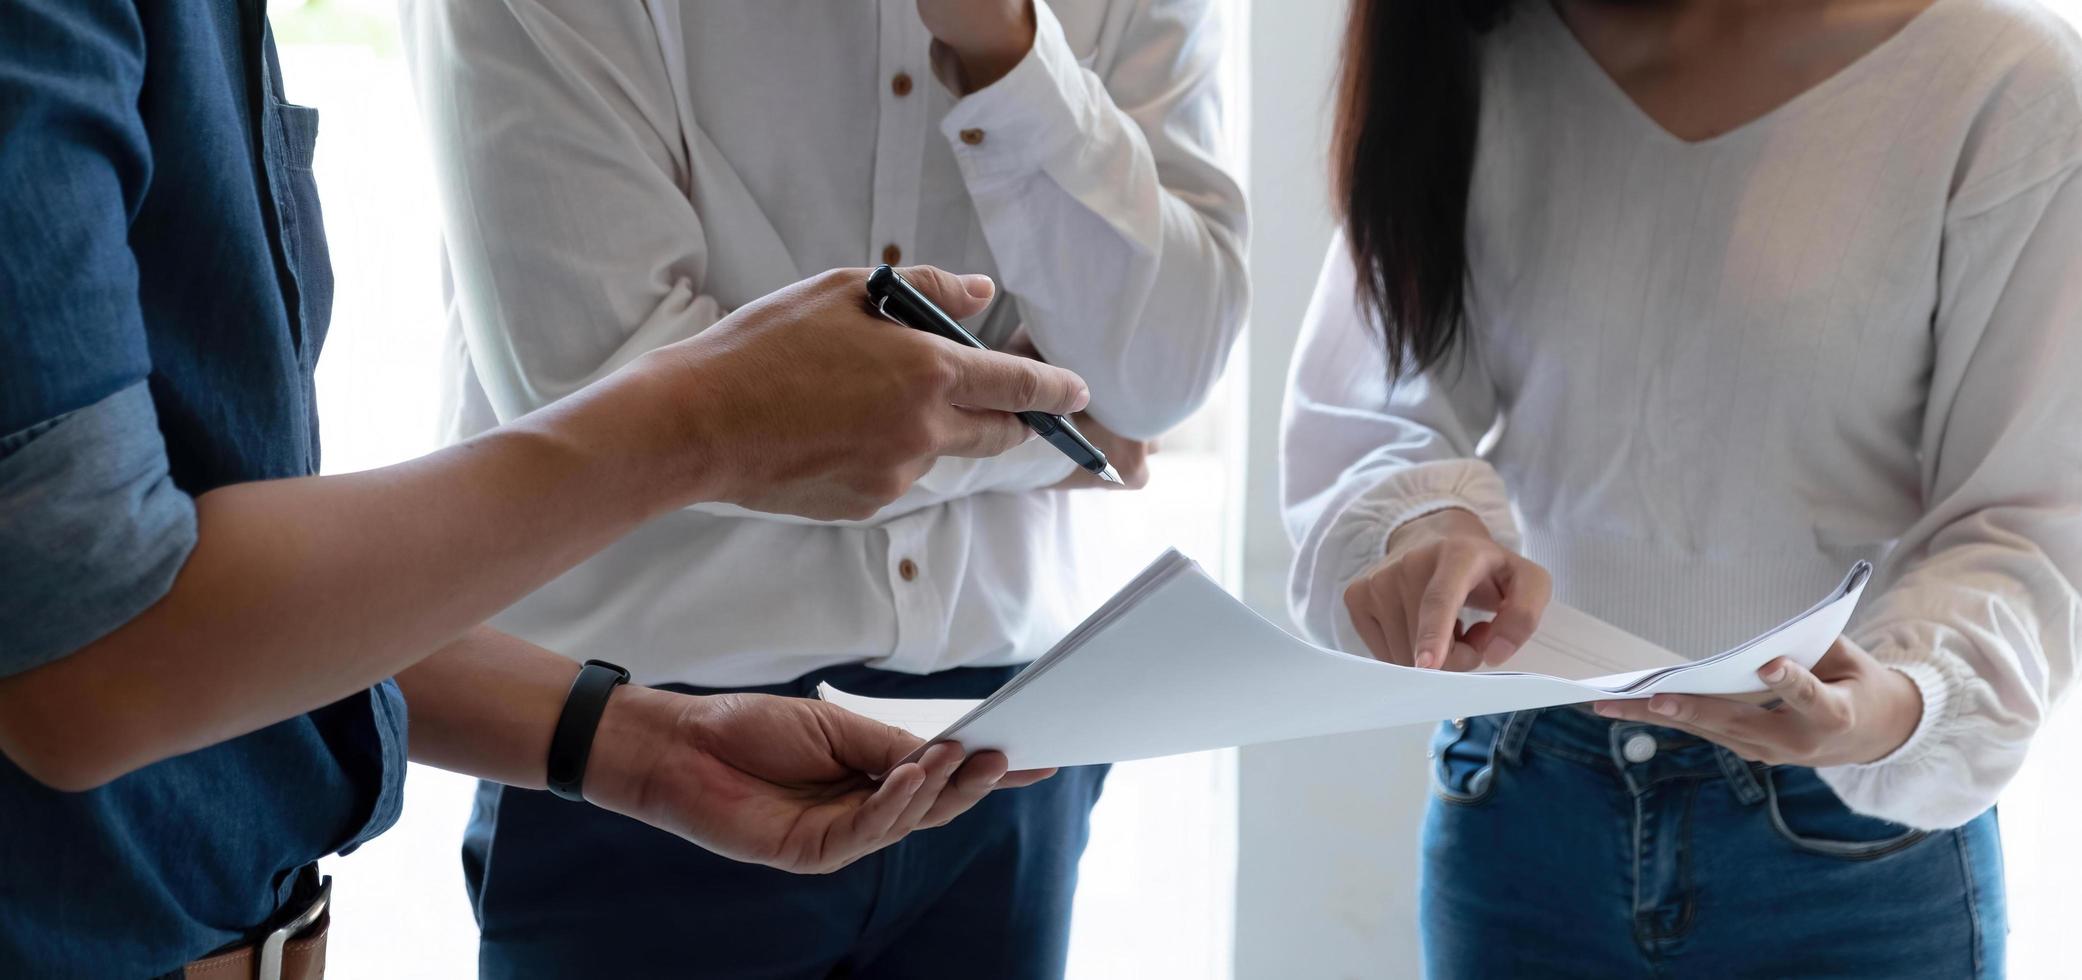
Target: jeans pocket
x=1463, y=757
x=1805, y=812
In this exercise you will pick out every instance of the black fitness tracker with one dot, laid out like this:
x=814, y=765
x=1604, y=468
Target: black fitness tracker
x=572, y=743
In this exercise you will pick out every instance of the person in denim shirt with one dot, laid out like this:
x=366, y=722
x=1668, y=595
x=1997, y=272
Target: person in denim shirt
x=197, y=636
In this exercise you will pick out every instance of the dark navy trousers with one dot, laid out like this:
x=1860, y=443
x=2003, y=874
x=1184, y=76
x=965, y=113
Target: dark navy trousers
x=566, y=890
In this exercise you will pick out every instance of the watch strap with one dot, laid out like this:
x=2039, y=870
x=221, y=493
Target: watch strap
x=572, y=742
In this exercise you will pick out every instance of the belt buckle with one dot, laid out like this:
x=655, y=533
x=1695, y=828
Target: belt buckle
x=271, y=947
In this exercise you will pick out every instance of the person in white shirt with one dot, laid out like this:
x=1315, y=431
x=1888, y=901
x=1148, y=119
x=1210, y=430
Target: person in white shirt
x=1673, y=312
x=616, y=176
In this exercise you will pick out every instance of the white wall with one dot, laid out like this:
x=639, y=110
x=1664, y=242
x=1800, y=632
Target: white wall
x=1326, y=827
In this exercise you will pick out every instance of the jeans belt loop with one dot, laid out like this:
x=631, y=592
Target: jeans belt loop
x=1510, y=743
x=1740, y=776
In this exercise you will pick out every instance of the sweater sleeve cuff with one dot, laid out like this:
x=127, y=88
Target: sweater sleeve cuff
x=1915, y=785
x=1413, y=492
x=1936, y=690
x=1355, y=536
x=1023, y=122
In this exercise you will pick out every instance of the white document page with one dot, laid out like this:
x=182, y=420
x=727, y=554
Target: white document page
x=1175, y=664
x=923, y=717
x=1575, y=645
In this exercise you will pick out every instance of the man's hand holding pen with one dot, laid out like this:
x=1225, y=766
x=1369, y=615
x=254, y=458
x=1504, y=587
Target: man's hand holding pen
x=1130, y=457
x=807, y=402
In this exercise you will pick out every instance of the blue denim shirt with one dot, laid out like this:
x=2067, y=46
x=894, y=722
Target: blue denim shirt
x=164, y=289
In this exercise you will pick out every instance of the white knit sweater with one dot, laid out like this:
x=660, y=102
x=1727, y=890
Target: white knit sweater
x=1720, y=372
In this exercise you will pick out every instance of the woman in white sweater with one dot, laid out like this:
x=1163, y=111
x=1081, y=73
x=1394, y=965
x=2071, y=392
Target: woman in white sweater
x=1672, y=312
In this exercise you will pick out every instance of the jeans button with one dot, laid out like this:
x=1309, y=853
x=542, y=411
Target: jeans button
x=1460, y=724
x=1639, y=747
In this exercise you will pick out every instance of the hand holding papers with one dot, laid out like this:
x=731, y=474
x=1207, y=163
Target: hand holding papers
x=1172, y=663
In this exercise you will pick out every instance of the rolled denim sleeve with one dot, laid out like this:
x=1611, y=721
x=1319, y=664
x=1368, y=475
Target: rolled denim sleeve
x=92, y=531
x=96, y=531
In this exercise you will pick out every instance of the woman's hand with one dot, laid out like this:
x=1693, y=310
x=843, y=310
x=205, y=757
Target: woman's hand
x=1850, y=709
x=1407, y=607
x=784, y=782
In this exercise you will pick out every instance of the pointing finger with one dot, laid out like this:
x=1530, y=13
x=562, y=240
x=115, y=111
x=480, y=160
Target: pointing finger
x=1438, y=612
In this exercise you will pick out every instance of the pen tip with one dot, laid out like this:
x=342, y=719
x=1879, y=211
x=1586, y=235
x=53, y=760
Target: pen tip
x=1111, y=475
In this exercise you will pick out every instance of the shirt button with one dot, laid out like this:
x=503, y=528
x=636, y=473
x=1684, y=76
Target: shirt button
x=973, y=137
x=891, y=254
x=907, y=570
x=1639, y=747
x=900, y=84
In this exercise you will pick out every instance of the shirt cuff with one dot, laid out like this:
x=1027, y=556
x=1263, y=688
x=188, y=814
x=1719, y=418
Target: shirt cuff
x=1021, y=123
x=96, y=533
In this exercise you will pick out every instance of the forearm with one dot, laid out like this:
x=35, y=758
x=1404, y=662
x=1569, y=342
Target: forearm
x=300, y=592
x=485, y=706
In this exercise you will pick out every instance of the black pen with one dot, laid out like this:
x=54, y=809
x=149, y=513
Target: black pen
x=902, y=302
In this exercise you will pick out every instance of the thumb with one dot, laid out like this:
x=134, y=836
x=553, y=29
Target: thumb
x=863, y=744
x=961, y=296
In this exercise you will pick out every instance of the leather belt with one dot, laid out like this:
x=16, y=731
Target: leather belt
x=295, y=950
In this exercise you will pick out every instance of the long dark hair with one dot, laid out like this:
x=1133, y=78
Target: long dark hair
x=1402, y=157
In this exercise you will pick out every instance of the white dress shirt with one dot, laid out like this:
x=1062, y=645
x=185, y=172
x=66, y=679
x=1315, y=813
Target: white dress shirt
x=618, y=176
x=1712, y=375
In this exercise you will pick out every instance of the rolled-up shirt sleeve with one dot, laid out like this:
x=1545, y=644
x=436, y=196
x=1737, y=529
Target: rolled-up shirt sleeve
x=92, y=530
x=1117, y=223
x=96, y=530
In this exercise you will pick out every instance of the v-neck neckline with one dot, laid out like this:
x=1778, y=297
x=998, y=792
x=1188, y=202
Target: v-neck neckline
x=1575, y=51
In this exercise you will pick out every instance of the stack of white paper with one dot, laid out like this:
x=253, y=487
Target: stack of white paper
x=1172, y=663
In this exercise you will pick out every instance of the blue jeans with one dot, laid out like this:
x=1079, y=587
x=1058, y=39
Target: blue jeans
x=565, y=890
x=1559, y=844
